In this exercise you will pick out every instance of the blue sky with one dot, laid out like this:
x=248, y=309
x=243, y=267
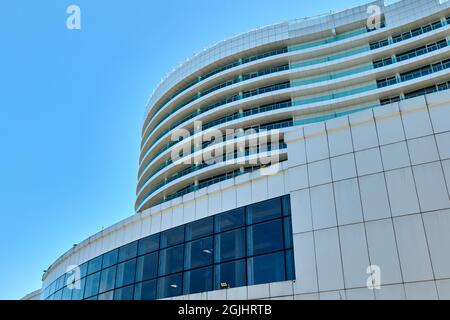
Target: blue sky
x=72, y=105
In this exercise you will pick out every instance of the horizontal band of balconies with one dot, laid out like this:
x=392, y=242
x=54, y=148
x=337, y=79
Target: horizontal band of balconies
x=404, y=36
x=263, y=55
x=326, y=60
x=229, y=140
x=440, y=87
x=336, y=76
x=207, y=172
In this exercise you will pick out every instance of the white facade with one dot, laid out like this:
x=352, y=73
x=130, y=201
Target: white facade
x=369, y=188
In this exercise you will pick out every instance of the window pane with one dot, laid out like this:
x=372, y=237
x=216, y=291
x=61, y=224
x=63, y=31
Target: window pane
x=230, y=220
x=149, y=244
x=92, y=298
x=95, y=265
x=171, y=260
x=60, y=282
x=266, y=269
x=107, y=279
x=92, y=285
x=58, y=295
x=199, y=253
x=286, y=200
x=110, y=258
x=106, y=296
x=199, y=229
x=78, y=289
x=199, y=280
x=145, y=290
x=147, y=267
x=288, y=233
x=290, y=265
x=128, y=252
x=232, y=273
x=264, y=237
x=125, y=273
x=172, y=237
x=170, y=286
x=83, y=270
x=125, y=293
x=264, y=211
x=67, y=294
x=230, y=245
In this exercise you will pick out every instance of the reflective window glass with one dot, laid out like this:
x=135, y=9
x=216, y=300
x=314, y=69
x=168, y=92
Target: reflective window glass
x=172, y=237
x=147, y=267
x=125, y=273
x=199, y=280
x=149, y=244
x=288, y=233
x=110, y=258
x=266, y=269
x=107, y=279
x=58, y=295
x=199, y=229
x=233, y=274
x=290, y=266
x=286, y=202
x=83, y=270
x=199, y=253
x=128, y=252
x=92, y=285
x=125, y=293
x=230, y=220
x=264, y=237
x=67, y=294
x=264, y=211
x=95, y=265
x=92, y=298
x=230, y=245
x=145, y=290
x=171, y=260
x=170, y=286
x=78, y=289
x=106, y=296
x=60, y=282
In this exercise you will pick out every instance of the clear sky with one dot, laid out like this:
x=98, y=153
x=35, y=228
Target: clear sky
x=72, y=105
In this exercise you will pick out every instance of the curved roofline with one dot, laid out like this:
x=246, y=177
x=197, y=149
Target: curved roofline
x=236, y=36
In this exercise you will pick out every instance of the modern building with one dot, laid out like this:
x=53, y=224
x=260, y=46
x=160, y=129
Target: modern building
x=331, y=175
x=35, y=295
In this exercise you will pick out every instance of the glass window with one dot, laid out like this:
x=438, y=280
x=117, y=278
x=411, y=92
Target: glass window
x=290, y=266
x=149, y=244
x=95, y=265
x=78, y=289
x=264, y=211
x=106, y=296
x=107, y=279
x=83, y=270
x=125, y=273
x=230, y=220
x=60, y=282
x=171, y=260
x=128, y=252
x=92, y=285
x=233, y=274
x=110, y=258
x=288, y=233
x=172, y=237
x=199, y=229
x=199, y=253
x=125, y=293
x=199, y=280
x=145, y=290
x=93, y=298
x=230, y=245
x=286, y=201
x=170, y=286
x=67, y=294
x=147, y=267
x=266, y=269
x=264, y=237
x=58, y=295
